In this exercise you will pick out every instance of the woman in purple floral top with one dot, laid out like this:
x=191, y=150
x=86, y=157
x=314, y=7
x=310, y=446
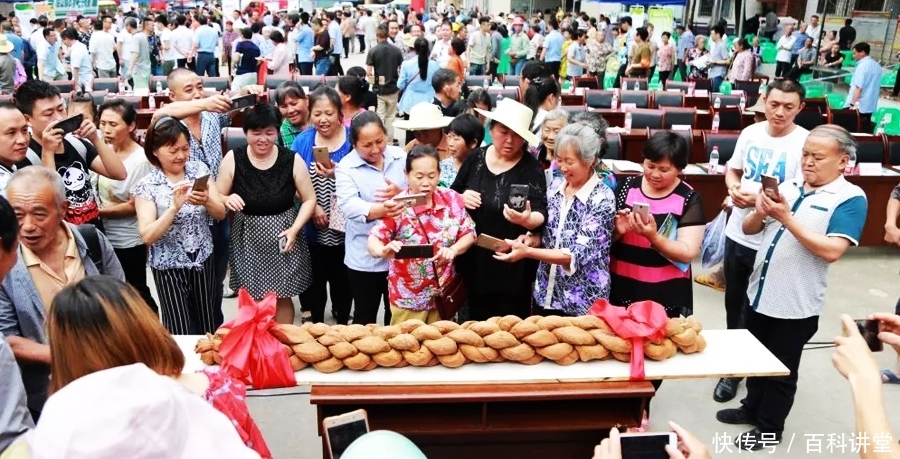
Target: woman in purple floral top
x=574, y=257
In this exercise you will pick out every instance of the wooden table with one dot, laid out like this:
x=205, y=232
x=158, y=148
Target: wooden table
x=513, y=410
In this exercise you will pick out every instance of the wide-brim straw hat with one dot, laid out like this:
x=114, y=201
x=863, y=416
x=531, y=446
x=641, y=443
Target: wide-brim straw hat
x=424, y=116
x=514, y=116
x=759, y=106
x=6, y=46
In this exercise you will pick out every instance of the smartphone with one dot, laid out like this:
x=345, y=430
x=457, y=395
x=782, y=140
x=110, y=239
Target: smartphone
x=869, y=330
x=770, y=186
x=200, y=183
x=341, y=431
x=518, y=196
x=491, y=243
x=647, y=445
x=282, y=244
x=415, y=251
x=70, y=124
x=641, y=208
x=243, y=102
x=412, y=200
x=322, y=156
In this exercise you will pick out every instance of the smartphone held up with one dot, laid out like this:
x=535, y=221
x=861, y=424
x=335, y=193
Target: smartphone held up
x=342, y=430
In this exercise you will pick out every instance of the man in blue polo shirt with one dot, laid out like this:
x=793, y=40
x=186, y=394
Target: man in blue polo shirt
x=553, y=43
x=205, y=40
x=865, y=87
x=806, y=225
x=798, y=43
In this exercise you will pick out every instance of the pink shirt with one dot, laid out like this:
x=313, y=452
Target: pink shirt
x=281, y=58
x=665, y=55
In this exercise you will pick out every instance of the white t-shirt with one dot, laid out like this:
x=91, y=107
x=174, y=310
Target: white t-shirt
x=81, y=59
x=182, y=42
x=122, y=232
x=757, y=153
x=786, y=42
x=165, y=38
x=441, y=52
x=103, y=45
x=125, y=41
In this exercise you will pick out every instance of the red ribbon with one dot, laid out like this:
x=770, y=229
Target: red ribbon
x=637, y=322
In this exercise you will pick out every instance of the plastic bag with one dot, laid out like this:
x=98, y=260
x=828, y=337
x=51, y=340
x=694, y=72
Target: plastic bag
x=640, y=321
x=712, y=250
x=249, y=352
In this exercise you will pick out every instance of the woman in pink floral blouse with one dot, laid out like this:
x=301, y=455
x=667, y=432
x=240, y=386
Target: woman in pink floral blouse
x=666, y=58
x=743, y=63
x=442, y=222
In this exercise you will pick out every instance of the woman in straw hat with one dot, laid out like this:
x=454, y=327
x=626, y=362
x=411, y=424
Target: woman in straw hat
x=426, y=123
x=487, y=180
x=7, y=66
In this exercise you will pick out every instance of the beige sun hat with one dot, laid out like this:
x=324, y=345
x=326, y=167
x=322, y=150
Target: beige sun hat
x=424, y=116
x=513, y=115
x=759, y=106
x=6, y=46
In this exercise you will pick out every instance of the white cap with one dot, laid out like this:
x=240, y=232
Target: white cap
x=132, y=412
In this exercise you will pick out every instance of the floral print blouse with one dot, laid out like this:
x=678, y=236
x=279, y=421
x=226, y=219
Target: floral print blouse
x=690, y=56
x=411, y=283
x=448, y=172
x=581, y=225
x=188, y=242
x=596, y=54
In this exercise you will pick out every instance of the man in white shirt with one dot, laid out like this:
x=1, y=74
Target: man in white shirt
x=166, y=50
x=772, y=148
x=102, y=45
x=814, y=29
x=123, y=45
x=480, y=48
x=80, y=58
x=182, y=42
x=783, y=57
x=441, y=49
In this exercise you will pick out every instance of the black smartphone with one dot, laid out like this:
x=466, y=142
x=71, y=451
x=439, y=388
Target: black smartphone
x=201, y=183
x=869, y=330
x=518, y=196
x=70, y=124
x=647, y=445
x=243, y=102
x=770, y=186
x=415, y=251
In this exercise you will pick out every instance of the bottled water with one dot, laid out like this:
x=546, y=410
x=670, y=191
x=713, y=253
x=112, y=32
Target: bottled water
x=715, y=123
x=628, y=122
x=717, y=104
x=714, y=161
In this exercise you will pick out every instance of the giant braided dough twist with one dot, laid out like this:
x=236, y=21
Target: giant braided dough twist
x=564, y=340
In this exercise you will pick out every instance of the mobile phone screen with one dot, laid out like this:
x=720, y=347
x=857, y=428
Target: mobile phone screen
x=341, y=436
x=645, y=446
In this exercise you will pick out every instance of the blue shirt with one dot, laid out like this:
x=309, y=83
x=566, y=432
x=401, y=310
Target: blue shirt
x=685, y=42
x=798, y=45
x=334, y=32
x=356, y=184
x=717, y=53
x=206, y=38
x=868, y=77
x=305, y=40
x=415, y=90
x=18, y=45
x=324, y=186
x=553, y=43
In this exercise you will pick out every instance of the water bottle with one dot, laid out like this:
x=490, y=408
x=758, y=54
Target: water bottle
x=499, y=98
x=121, y=86
x=717, y=103
x=691, y=89
x=714, y=160
x=151, y=102
x=614, y=103
x=881, y=125
x=743, y=103
x=159, y=87
x=715, y=123
x=628, y=122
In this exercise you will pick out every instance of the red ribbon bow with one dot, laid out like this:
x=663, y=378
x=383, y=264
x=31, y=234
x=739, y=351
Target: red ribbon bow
x=639, y=321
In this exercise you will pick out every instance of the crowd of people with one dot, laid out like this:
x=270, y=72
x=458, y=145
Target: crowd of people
x=511, y=199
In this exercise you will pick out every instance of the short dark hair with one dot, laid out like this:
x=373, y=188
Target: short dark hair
x=787, y=85
x=98, y=25
x=719, y=29
x=667, y=145
x=642, y=32
x=442, y=78
x=483, y=19
x=181, y=19
x=165, y=131
x=848, y=22
x=458, y=45
x=32, y=91
x=69, y=33
x=625, y=20
x=328, y=94
x=666, y=34
x=468, y=127
x=46, y=31
x=276, y=36
x=287, y=89
x=422, y=151
x=862, y=47
x=124, y=109
x=535, y=69
x=360, y=121
x=262, y=116
x=480, y=96
x=9, y=226
x=246, y=33
x=162, y=19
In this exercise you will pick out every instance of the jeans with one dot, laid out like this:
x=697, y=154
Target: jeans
x=305, y=68
x=322, y=66
x=206, y=64
x=769, y=399
x=168, y=66
x=737, y=268
x=348, y=43
x=519, y=66
x=221, y=235
x=717, y=83
x=362, y=43
x=369, y=290
x=475, y=69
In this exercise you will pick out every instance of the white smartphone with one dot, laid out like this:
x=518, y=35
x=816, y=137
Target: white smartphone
x=647, y=445
x=341, y=431
x=642, y=208
x=282, y=243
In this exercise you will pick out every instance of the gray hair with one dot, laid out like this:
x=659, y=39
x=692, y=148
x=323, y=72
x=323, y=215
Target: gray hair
x=845, y=141
x=557, y=114
x=698, y=38
x=583, y=138
x=41, y=174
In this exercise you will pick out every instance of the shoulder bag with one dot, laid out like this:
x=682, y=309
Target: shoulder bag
x=451, y=296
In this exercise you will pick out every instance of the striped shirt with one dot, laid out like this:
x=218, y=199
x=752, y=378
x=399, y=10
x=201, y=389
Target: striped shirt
x=324, y=186
x=637, y=270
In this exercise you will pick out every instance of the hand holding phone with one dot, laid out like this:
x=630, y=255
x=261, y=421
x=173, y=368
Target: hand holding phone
x=642, y=209
x=412, y=200
x=282, y=244
x=518, y=196
x=647, y=445
x=201, y=183
x=242, y=102
x=341, y=431
x=322, y=156
x=491, y=243
x=70, y=124
x=770, y=187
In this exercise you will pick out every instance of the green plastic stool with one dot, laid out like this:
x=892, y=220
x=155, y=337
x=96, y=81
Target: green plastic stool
x=888, y=80
x=836, y=101
x=893, y=126
x=769, y=54
x=608, y=81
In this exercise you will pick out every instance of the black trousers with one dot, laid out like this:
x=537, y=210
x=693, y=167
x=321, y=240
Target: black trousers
x=362, y=43
x=370, y=290
x=769, y=399
x=664, y=76
x=328, y=271
x=737, y=268
x=306, y=68
x=782, y=69
x=553, y=68
x=619, y=75
x=485, y=306
x=347, y=42
x=336, y=69
x=865, y=123
x=134, y=264
x=896, y=90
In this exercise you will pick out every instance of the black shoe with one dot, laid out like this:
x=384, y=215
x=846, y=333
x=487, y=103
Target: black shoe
x=726, y=389
x=754, y=440
x=736, y=416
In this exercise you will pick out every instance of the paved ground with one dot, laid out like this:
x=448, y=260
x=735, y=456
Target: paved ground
x=864, y=281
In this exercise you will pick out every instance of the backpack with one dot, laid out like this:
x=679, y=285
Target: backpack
x=91, y=236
